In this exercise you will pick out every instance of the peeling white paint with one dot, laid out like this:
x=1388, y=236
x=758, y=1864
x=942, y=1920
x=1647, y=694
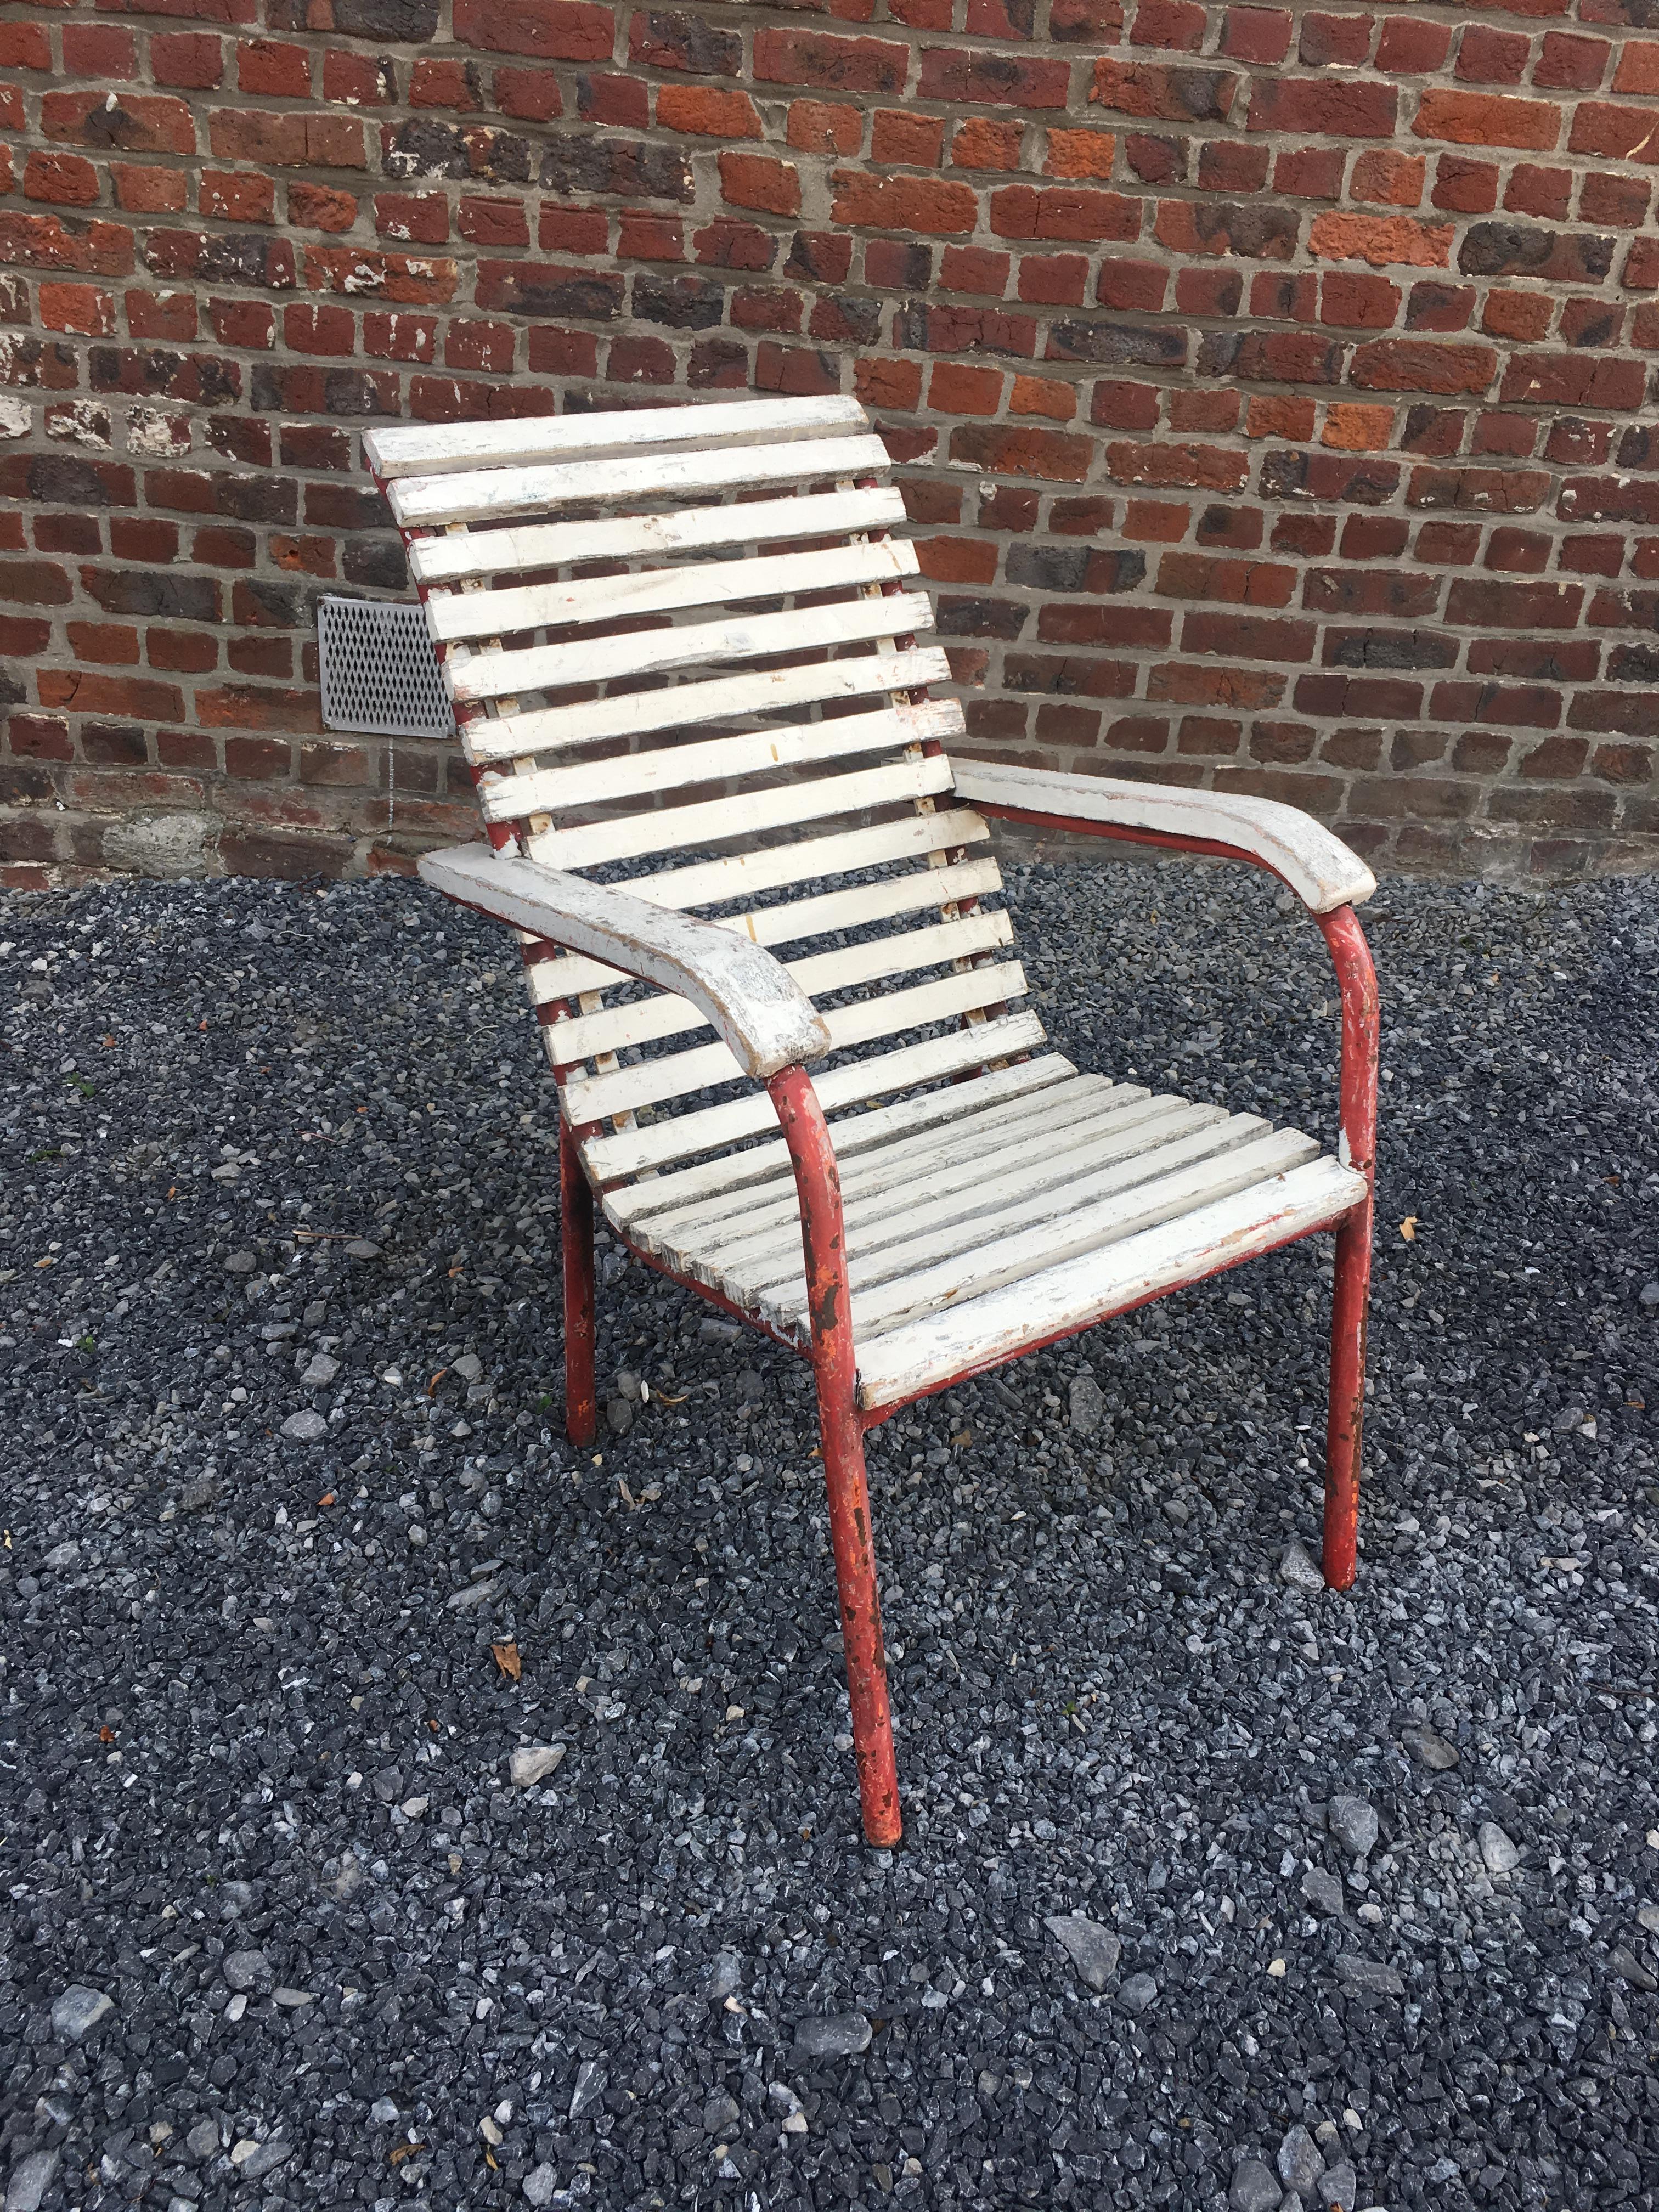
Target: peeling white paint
x=15, y=416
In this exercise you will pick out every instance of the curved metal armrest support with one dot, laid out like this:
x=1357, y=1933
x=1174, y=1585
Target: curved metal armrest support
x=1288, y=842
x=753, y=1004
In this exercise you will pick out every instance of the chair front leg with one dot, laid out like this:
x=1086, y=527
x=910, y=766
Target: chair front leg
x=1351, y=1296
x=576, y=1236
x=817, y=1181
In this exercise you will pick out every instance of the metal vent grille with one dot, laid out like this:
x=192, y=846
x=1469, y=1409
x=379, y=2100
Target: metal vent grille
x=380, y=673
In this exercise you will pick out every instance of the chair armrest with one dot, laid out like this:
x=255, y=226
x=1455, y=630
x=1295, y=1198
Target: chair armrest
x=1318, y=867
x=748, y=994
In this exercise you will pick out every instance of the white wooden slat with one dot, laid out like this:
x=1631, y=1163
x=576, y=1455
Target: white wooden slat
x=645, y=1021
x=899, y=1201
x=956, y=1258
x=683, y=1136
x=630, y=1206
x=568, y=977
x=428, y=449
x=804, y=860
x=750, y=752
x=480, y=676
x=745, y=813
x=682, y=706
x=499, y=552
x=424, y=503
x=717, y=1225
x=675, y=1075
x=453, y=616
x=980, y=1332
x=707, y=1216
x=766, y=1023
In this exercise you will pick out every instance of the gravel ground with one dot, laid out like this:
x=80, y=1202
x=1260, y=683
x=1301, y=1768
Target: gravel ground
x=1365, y=1883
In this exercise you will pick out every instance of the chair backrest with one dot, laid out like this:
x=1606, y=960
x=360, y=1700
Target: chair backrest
x=682, y=652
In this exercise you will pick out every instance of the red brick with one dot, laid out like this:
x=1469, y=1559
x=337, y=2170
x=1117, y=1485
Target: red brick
x=436, y=83
x=148, y=191
x=1256, y=34
x=755, y=180
x=551, y=30
x=828, y=65
x=1054, y=280
x=231, y=196
x=1176, y=25
x=1324, y=107
x=63, y=179
x=139, y=123
x=1409, y=365
x=1049, y=454
x=1486, y=56
x=1392, y=179
x=1385, y=241
x=1571, y=64
x=356, y=80
x=701, y=110
x=819, y=126
x=1058, y=212
x=529, y=95
x=316, y=207
x=267, y=66
x=1623, y=134
x=98, y=50
x=1574, y=379
x=956, y=389
x=1471, y=118
x=1164, y=91
x=1329, y=41
x=929, y=205
x=1079, y=152
x=422, y=218
x=85, y=308
x=953, y=74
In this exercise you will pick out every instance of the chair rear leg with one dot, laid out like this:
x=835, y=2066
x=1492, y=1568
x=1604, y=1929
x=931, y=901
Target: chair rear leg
x=1345, y=1420
x=576, y=1232
x=861, y=1612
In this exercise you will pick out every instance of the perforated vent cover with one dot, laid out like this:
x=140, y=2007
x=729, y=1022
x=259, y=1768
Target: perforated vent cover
x=380, y=673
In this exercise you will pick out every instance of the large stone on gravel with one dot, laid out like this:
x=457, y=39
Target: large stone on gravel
x=1338, y=2186
x=532, y=1763
x=1499, y=1854
x=170, y=847
x=1255, y=2187
x=1137, y=1993
x=1299, y=1569
x=832, y=2035
x=246, y=1971
x=1370, y=1976
x=1323, y=1892
x=1429, y=1748
x=307, y=1427
x=1352, y=1822
x=1092, y=1949
x=1300, y=2163
x=1088, y=1405
x=30, y=2180
x=541, y=2184
x=77, y=2011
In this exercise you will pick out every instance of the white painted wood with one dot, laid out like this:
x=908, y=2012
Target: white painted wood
x=684, y=706
x=959, y=1260
x=646, y=1021
x=683, y=1136
x=857, y=1131
x=430, y=502
x=428, y=448
x=501, y=551
x=681, y=645
x=677, y=1075
x=456, y=615
x=1318, y=866
x=977, y=1332
x=765, y=1021
x=668, y=768
x=744, y=814
x=896, y=1203
x=791, y=923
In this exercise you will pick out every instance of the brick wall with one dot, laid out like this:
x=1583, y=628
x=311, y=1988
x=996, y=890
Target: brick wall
x=1271, y=384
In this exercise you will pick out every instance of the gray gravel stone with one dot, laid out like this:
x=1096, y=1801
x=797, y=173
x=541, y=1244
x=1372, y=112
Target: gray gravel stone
x=1254, y=2187
x=247, y=1970
x=1371, y=1975
x=30, y=2178
x=1137, y=1992
x=320, y=1371
x=589, y=2090
x=1088, y=1405
x=1092, y=1949
x=1323, y=1892
x=77, y=2011
x=1430, y=1749
x=533, y=1762
x=1300, y=2162
x=832, y=2035
x=541, y=2184
x=305, y=1427
x=1299, y=1567
x=1338, y=2187
x=1353, y=1823
x=1499, y=1853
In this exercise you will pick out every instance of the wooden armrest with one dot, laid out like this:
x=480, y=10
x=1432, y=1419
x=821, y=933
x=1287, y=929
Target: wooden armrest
x=1318, y=867
x=748, y=994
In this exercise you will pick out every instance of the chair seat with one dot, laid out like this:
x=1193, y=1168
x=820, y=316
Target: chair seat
x=994, y=1215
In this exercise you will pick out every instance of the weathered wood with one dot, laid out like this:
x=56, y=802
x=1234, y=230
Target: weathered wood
x=744, y=814
x=979, y=1333
x=675, y=1075
x=690, y=705
x=431, y=503
x=1318, y=866
x=683, y=1136
x=519, y=607
x=502, y=550
x=668, y=768
x=428, y=448
x=683, y=645
x=765, y=1021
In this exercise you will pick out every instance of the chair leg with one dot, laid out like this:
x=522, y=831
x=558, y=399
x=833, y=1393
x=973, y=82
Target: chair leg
x=576, y=1230
x=860, y=1613
x=1345, y=1420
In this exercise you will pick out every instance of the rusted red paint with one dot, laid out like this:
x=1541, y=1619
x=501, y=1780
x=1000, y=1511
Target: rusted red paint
x=1351, y=1296
x=818, y=1181
x=576, y=1238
